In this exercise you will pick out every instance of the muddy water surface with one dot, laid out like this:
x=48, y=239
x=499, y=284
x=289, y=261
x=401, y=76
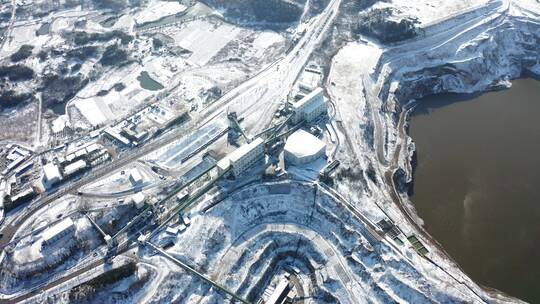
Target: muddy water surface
x=477, y=183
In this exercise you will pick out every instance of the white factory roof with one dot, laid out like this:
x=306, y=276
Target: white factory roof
x=51, y=172
x=135, y=176
x=171, y=230
x=15, y=163
x=245, y=149
x=303, y=144
x=225, y=163
x=308, y=98
x=138, y=198
x=92, y=148
x=114, y=134
x=80, y=153
x=58, y=228
x=74, y=167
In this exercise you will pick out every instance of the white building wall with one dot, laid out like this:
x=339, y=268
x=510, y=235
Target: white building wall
x=309, y=107
x=293, y=159
x=247, y=160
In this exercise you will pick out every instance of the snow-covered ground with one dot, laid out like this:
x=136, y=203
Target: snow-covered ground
x=244, y=241
x=119, y=183
x=429, y=12
x=99, y=110
x=204, y=39
x=158, y=9
x=261, y=229
x=370, y=85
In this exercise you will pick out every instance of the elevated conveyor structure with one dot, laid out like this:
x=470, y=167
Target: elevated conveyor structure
x=198, y=274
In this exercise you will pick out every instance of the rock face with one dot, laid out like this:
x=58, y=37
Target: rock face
x=472, y=51
x=380, y=24
x=505, y=53
x=501, y=46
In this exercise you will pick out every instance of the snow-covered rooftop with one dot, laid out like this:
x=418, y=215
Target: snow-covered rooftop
x=135, y=176
x=308, y=98
x=303, y=144
x=138, y=198
x=57, y=229
x=74, y=167
x=51, y=172
x=245, y=149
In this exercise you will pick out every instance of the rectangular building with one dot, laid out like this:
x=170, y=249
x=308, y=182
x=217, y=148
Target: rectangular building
x=21, y=198
x=113, y=135
x=51, y=174
x=53, y=234
x=135, y=177
x=90, y=149
x=243, y=158
x=21, y=169
x=309, y=107
x=75, y=167
x=14, y=164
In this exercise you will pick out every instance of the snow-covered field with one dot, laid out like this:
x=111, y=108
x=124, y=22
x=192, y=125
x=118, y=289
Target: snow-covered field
x=204, y=39
x=158, y=9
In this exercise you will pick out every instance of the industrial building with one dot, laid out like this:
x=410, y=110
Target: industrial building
x=14, y=163
x=51, y=174
x=309, y=107
x=135, y=177
x=93, y=148
x=58, y=231
x=87, y=152
x=242, y=158
x=23, y=196
x=115, y=136
x=165, y=117
x=302, y=148
x=138, y=200
x=25, y=167
x=310, y=79
x=74, y=167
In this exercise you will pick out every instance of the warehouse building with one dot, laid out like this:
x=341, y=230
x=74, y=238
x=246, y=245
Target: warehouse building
x=58, y=231
x=74, y=167
x=242, y=158
x=302, y=148
x=309, y=107
x=22, y=197
x=115, y=137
